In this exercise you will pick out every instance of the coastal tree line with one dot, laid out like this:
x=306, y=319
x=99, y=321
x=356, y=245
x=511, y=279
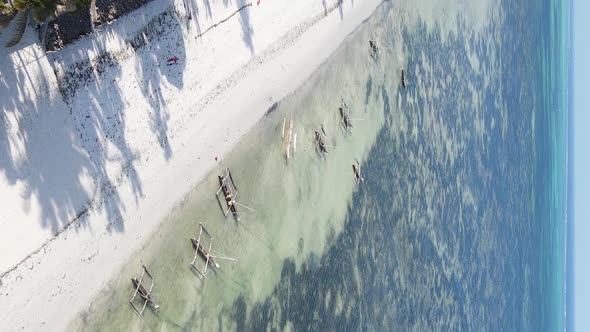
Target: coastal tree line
x=59, y=21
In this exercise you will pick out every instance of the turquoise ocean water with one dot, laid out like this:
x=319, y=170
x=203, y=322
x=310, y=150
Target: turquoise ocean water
x=551, y=161
x=458, y=225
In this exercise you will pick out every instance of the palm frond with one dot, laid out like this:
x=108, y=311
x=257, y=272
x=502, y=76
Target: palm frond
x=5, y=8
x=21, y=5
x=16, y=13
x=41, y=14
x=60, y=10
x=5, y=19
x=64, y=6
x=20, y=24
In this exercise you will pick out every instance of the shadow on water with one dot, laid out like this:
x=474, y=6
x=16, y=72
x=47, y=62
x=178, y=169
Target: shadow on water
x=368, y=89
x=87, y=138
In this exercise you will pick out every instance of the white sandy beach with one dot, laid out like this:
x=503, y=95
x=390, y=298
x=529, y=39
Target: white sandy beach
x=87, y=174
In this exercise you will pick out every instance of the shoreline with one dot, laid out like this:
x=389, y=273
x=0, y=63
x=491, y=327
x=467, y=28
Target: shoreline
x=72, y=268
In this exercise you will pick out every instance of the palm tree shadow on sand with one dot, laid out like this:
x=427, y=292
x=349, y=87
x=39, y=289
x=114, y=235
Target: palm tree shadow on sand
x=53, y=150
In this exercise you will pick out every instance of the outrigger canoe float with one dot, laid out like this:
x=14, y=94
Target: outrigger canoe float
x=404, y=78
x=290, y=137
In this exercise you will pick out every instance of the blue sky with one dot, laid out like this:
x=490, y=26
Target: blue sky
x=581, y=164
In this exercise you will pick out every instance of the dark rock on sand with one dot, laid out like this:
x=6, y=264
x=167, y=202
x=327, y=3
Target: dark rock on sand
x=67, y=28
x=109, y=10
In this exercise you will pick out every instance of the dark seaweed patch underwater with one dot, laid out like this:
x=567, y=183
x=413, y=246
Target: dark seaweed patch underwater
x=442, y=234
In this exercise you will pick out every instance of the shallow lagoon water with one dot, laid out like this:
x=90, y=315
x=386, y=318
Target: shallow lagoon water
x=298, y=204
x=443, y=232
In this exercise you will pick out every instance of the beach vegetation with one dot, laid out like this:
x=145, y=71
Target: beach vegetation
x=15, y=14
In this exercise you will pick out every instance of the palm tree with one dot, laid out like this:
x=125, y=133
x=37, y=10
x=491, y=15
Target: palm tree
x=6, y=15
x=17, y=12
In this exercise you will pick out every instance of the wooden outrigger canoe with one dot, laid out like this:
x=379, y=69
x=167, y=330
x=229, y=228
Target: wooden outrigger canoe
x=321, y=145
x=344, y=111
x=403, y=78
x=290, y=137
x=205, y=251
x=356, y=169
x=229, y=194
x=144, y=294
x=374, y=49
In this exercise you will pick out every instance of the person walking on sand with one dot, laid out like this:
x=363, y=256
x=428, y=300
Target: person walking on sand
x=172, y=61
